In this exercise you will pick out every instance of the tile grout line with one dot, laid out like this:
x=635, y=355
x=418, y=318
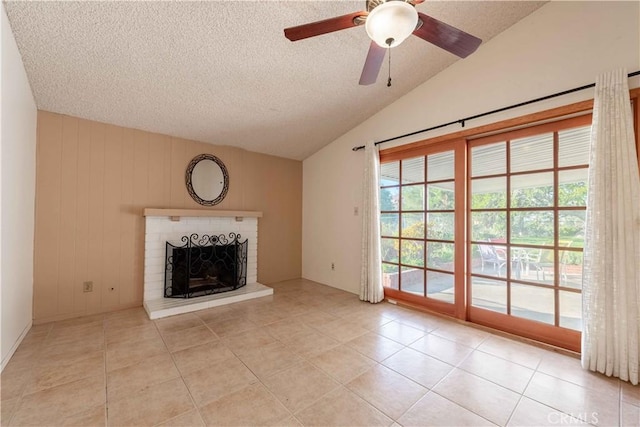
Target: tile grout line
x=221, y=340
x=24, y=388
x=106, y=377
x=620, y=404
x=193, y=402
x=432, y=389
x=396, y=420
x=547, y=405
x=32, y=377
x=304, y=359
x=260, y=379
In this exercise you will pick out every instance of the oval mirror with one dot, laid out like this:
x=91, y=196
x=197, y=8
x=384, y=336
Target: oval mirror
x=207, y=179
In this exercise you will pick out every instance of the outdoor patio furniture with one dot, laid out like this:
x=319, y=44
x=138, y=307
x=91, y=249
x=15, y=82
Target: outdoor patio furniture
x=489, y=254
x=533, y=260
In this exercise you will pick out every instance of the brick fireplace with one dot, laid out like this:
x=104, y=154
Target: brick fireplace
x=164, y=226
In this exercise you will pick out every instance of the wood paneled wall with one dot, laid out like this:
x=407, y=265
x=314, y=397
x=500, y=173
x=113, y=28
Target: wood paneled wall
x=92, y=182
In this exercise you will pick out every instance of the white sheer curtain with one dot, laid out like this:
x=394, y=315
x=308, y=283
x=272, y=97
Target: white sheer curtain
x=371, y=275
x=611, y=279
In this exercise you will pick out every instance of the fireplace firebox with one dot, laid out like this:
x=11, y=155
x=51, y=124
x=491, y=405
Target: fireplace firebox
x=205, y=265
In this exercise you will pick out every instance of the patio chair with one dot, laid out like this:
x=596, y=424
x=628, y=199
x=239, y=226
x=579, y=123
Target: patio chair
x=533, y=260
x=564, y=277
x=489, y=254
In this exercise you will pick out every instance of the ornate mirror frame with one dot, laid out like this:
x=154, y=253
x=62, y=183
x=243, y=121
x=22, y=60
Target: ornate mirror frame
x=189, y=175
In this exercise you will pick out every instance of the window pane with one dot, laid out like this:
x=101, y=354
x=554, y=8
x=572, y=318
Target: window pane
x=532, y=227
x=440, y=286
x=441, y=196
x=533, y=302
x=489, y=259
x=571, y=310
x=413, y=170
x=440, y=226
x=440, y=166
x=389, y=224
x=413, y=197
x=389, y=249
x=489, y=193
x=571, y=228
x=389, y=198
x=412, y=253
x=488, y=225
x=573, y=146
x=532, y=153
x=390, y=276
x=489, y=294
x=413, y=225
x=572, y=187
x=532, y=190
x=390, y=173
x=489, y=159
x=532, y=265
x=412, y=280
x=440, y=256
x=571, y=269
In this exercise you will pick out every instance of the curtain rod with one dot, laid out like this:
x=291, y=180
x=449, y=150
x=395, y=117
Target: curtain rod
x=499, y=110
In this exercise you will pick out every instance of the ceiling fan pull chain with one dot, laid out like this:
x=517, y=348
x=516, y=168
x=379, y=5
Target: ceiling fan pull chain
x=389, y=41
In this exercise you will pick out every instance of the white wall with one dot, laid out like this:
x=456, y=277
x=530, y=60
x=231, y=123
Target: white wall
x=560, y=46
x=17, y=180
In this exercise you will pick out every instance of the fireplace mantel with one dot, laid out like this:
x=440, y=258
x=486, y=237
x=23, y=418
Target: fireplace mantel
x=176, y=214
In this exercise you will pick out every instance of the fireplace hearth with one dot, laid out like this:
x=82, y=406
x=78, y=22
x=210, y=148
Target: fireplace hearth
x=205, y=265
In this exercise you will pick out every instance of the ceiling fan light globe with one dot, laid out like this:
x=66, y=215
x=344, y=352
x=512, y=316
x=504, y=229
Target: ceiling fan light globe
x=394, y=19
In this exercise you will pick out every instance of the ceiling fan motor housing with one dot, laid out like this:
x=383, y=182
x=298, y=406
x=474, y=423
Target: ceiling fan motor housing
x=371, y=4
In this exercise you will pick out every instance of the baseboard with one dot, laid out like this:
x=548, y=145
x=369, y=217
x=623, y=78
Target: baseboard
x=15, y=346
x=67, y=316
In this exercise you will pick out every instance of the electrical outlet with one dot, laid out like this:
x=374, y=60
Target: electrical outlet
x=87, y=286
x=333, y=266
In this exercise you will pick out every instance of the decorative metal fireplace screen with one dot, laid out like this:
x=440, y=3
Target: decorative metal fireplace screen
x=205, y=265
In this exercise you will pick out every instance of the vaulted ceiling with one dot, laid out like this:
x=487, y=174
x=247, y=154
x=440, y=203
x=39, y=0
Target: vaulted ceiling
x=222, y=71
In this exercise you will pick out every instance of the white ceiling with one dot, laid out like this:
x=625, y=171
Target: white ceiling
x=222, y=71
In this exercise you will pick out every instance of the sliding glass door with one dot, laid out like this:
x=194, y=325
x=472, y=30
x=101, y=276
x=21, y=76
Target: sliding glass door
x=497, y=239
x=527, y=203
x=422, y=226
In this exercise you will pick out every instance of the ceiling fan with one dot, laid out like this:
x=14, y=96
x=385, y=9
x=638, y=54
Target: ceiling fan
x=388, y=23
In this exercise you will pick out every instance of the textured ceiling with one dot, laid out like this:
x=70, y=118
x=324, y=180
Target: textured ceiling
x=222, y=71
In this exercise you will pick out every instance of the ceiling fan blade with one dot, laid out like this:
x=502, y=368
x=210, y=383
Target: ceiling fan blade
x=446, y=37
x=373, y=64
x=323, y=27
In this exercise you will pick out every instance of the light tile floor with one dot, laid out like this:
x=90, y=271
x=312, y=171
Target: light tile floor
x=308, y=355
